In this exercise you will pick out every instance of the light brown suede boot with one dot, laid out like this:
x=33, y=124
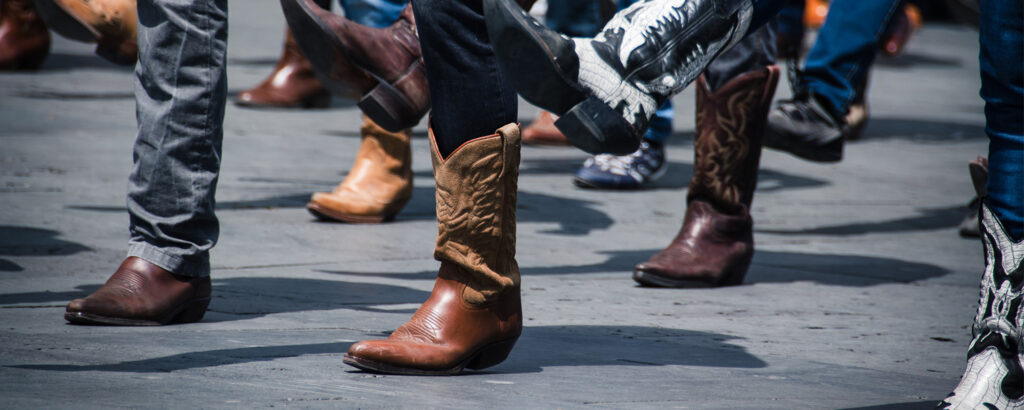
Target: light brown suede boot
x=111, y=24
x=293, y=84
x=716, y=243
x=473, y=316
x=379, y=184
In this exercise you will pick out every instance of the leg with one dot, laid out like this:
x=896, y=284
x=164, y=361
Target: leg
x=180, y=91
x=473, y=316
x=715, y=245
x=994, y=377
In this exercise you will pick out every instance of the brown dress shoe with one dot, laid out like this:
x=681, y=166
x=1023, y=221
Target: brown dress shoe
x=379, y=184
x=142, y=294
x=293, y=84
x=543, y=131
x=474, y=315
x=24, y=40
x=397, y=97
x=715, y=245
x=111, y=24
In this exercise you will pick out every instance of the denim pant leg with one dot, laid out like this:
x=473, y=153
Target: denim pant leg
x=844, y=51
x=373, y=13
x=574, y=18
x=1002, y=88
x=756, y=50
x=468, y=95
x=180, y=91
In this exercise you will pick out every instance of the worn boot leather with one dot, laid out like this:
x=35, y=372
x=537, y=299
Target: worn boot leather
x=715, y=245
x=142, y=294
x=24, y=40
x=396, y=95
x=474, y=315
x=111, y=24
x=379, y=184
x=543, y=131
x=293, y=84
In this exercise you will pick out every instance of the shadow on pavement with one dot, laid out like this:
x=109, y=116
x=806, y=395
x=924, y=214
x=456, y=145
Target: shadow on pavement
x=921, y=130
x=929, y=219
x=538, y=348
x=911, y=405
x=767, y=267
x=27, y=241
x=63, y=61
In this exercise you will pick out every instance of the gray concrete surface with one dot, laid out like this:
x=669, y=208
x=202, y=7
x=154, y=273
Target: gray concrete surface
x=860, y=294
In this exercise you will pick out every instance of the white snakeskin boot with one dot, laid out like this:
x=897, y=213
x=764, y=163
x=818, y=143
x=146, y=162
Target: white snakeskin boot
x=607, y=88
x=994, y=378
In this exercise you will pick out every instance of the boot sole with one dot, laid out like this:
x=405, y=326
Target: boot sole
x=587, y=122
x=383, y=103
x=60, y=20
x=658, y=281
x=486, y=356
x=328, y=214
x=190, y=312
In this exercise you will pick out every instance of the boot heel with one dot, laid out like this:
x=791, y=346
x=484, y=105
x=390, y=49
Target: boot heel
x=392, y=109
x=193, y=312
x=492, y=354
x=596, y=128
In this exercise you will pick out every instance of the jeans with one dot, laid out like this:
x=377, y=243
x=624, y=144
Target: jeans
x=574, y=18
x=373, y=13
x=180, y=94
x=1001, y=35
x=844, y=51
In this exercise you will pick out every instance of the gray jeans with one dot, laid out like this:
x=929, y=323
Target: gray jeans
x=180, y=93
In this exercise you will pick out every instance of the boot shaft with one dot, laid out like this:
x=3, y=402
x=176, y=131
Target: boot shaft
x=476, y=211
x=727, y=148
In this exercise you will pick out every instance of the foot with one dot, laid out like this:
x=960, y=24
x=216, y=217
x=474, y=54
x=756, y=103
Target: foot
x=543, y=131
x=803, y=127
x=712, y=249
x=394, y=93
x=142, y=294
x=970, y=227
x=24, y=40
x=293, y=84
x=111, y=24
x=446, y=334
x=606, y=171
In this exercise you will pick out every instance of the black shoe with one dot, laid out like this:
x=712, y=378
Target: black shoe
x=804, y=128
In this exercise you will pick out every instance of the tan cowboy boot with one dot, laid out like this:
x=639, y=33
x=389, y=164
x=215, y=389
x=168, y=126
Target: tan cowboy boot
x=293, y=84
x=542, y=131
x=715, y=245
x=474, y=316
x=24, y=40
x=379, y=184
x=111, y=24
x=140, y=293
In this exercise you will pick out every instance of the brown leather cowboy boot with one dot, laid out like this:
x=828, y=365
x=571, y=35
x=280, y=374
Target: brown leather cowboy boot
x=474, y=316
x=293, y=84
x=542, y=131
x=142, y=294
x=111, y=24
x=397, y=95
x=24, y=40
x=379, y=184
x=715, y=245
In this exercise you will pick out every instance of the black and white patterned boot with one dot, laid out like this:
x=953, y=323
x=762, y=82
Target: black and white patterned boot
x=994, y=378
x=607, y=88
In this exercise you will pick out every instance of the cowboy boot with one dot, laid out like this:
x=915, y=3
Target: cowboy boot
x=396, y=95
x=716, y=243
x=140, y=293
x=542, y=131
x=24, y=40
x=994, y=378
x=970, y=227
x=473, y=316
x=379, y=184
x=606, y=89
x=111, y=24
x=293, y=84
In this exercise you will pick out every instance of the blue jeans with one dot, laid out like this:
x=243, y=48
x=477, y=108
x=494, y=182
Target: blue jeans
x=180, y=93
x=844, y=51
x=1001, y=35
x=373, y=13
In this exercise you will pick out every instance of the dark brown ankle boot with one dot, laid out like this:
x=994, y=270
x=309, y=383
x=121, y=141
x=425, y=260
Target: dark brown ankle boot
x=397, y=97
x=293, y=84
x=140, y=293
x=24, y=40
x=715, y=245
x=473, y=316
